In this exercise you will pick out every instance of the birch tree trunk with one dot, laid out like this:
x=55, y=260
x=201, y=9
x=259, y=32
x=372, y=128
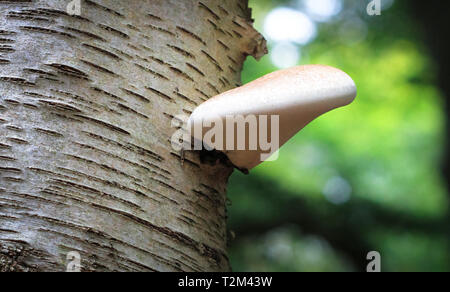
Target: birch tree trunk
x=86, y=104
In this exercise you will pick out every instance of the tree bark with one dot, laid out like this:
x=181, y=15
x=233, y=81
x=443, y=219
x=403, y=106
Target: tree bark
x=86, y=104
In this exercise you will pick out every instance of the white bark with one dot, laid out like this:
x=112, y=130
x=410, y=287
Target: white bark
x=86, y=103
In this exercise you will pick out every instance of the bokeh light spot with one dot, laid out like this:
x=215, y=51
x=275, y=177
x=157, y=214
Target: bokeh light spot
x=322, y=10
x=289, y=25
x=285, y=55
x=337, y=190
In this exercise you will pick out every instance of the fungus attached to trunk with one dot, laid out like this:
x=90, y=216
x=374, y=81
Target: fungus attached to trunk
x=250, y=123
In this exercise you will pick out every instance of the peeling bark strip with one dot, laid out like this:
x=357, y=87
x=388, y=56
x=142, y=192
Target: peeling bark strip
x=86, y=163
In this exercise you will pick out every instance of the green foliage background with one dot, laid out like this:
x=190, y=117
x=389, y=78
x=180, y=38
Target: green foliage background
x=387, y=147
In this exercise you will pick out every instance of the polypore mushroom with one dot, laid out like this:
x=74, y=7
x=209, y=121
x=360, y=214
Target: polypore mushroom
x=231, y=121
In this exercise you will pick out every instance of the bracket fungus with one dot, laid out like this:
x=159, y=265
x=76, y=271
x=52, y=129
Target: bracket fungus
x=236, y=122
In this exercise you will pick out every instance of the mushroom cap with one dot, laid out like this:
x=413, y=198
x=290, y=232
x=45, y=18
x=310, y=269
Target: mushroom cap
x=297, y=95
